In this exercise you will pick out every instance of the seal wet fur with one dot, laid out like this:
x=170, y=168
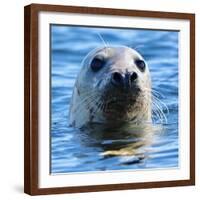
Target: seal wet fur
x=113, y=86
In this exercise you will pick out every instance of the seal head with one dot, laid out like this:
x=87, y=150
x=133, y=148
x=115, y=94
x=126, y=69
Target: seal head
x=113, y=86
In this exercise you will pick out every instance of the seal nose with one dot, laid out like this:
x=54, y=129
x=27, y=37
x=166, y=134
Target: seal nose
x=117, y=79
x=133, y=77
x=126, y=81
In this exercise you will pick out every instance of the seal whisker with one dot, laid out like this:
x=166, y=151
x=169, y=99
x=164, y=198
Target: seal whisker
x=164, y=119
x=91, y=110
x=109, y=89
x=154, y=92
x=104, y=42
x=156, y=115
x=98, y=107
x=87, y=100
x=158, y=94
x=162, y=103
x=84, y=100
x=156, y=109
x=158, y=106
x=138, y=46
x=156, y=112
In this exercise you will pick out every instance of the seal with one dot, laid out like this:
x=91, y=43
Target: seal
x=113, y=87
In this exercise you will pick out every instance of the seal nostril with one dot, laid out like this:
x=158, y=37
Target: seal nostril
x=133, y=76
x=117, y=78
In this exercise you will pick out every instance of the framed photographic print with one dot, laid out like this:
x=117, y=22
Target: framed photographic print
x=109, y=99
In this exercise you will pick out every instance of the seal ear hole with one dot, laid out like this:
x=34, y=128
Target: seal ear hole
x=141, y=65
x=97, y=64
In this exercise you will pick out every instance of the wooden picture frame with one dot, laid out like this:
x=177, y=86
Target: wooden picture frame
x=32, y=108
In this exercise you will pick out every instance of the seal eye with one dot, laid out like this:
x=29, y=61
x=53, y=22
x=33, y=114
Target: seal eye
x=97, y=64
x=141, y=65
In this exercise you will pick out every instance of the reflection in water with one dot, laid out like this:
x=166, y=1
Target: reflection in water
x=132, y=141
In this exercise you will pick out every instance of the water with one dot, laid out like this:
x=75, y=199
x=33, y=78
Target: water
x=100, y=149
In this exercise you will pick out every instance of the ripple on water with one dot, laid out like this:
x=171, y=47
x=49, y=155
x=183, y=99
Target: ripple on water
x=73, y=151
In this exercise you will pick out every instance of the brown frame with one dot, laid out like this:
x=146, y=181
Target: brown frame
x=31, y=98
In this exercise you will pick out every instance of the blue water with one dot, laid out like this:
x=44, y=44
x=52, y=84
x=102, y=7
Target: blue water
x=74, y=150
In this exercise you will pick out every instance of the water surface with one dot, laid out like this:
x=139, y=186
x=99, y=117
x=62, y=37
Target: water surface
x=100, y=148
